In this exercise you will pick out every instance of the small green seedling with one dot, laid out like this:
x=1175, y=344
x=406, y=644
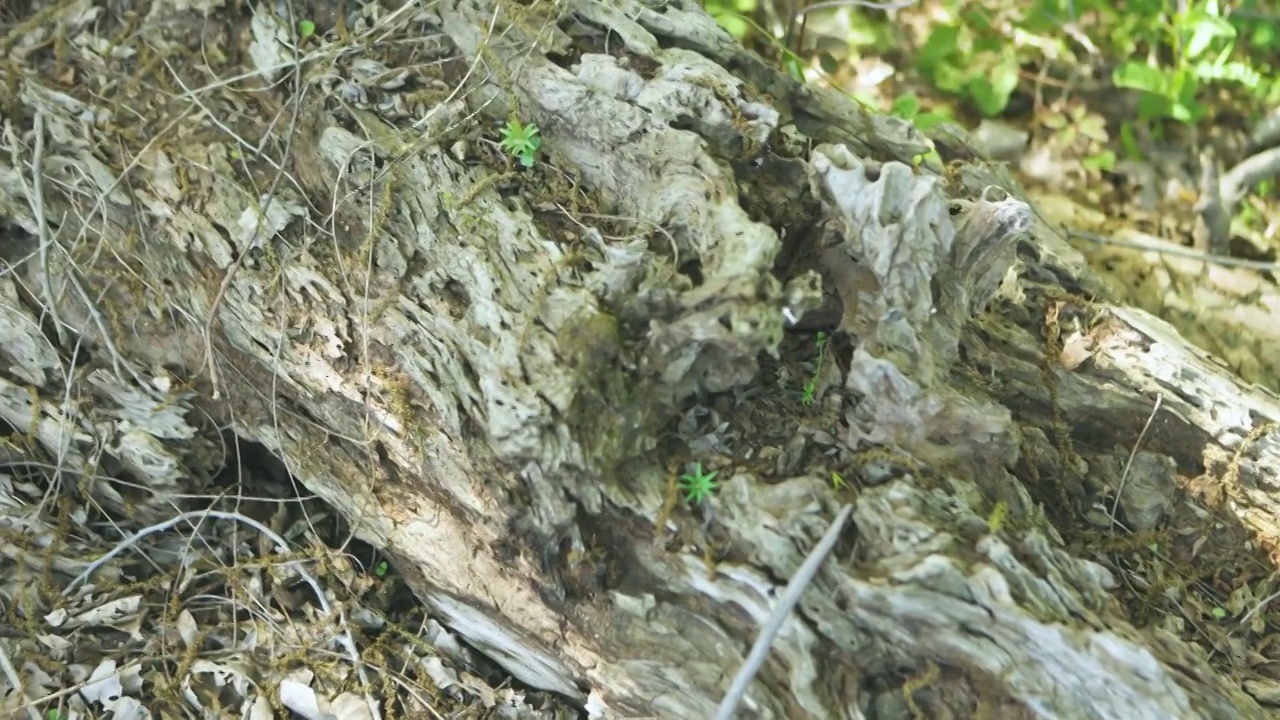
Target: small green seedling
x=522, y=141
x=697, y=486
x=380, y=569
x=306, y=29
x=811, y=386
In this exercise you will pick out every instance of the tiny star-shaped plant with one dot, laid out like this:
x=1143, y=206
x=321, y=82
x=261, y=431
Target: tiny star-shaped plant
x=697, y=486
x=521, y=140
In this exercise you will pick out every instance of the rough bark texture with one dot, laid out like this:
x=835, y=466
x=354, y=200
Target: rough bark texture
x=493, y=374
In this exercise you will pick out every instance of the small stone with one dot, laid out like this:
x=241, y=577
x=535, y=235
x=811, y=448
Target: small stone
x=1000, y=141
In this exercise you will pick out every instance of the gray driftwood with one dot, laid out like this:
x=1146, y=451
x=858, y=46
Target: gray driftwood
x=478, y=371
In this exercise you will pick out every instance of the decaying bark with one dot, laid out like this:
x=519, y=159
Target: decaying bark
x=482, y=370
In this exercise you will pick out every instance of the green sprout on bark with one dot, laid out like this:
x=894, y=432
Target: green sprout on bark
x=522, y=141
x=697, y=486
x=811, y=386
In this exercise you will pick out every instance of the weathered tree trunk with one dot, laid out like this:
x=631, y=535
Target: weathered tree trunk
x=495, y=374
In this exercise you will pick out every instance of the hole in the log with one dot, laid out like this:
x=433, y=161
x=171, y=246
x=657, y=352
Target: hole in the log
x=246, y=457
x=80, y=354
x=565, y=60
x=692, y=269
x=455, y=294
x=645, y=67
x=473, y=381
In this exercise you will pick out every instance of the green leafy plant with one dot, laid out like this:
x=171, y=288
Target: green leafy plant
x=306, y=29
x=1129, y=141
x=733, y=15
x=381, y=569
x=1202, y=43
x=908, y=107
x=697, y=486
x=976, y=49
x=968, y=58
x=521, y=141
x=1083, y=133
x=1101, y=160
